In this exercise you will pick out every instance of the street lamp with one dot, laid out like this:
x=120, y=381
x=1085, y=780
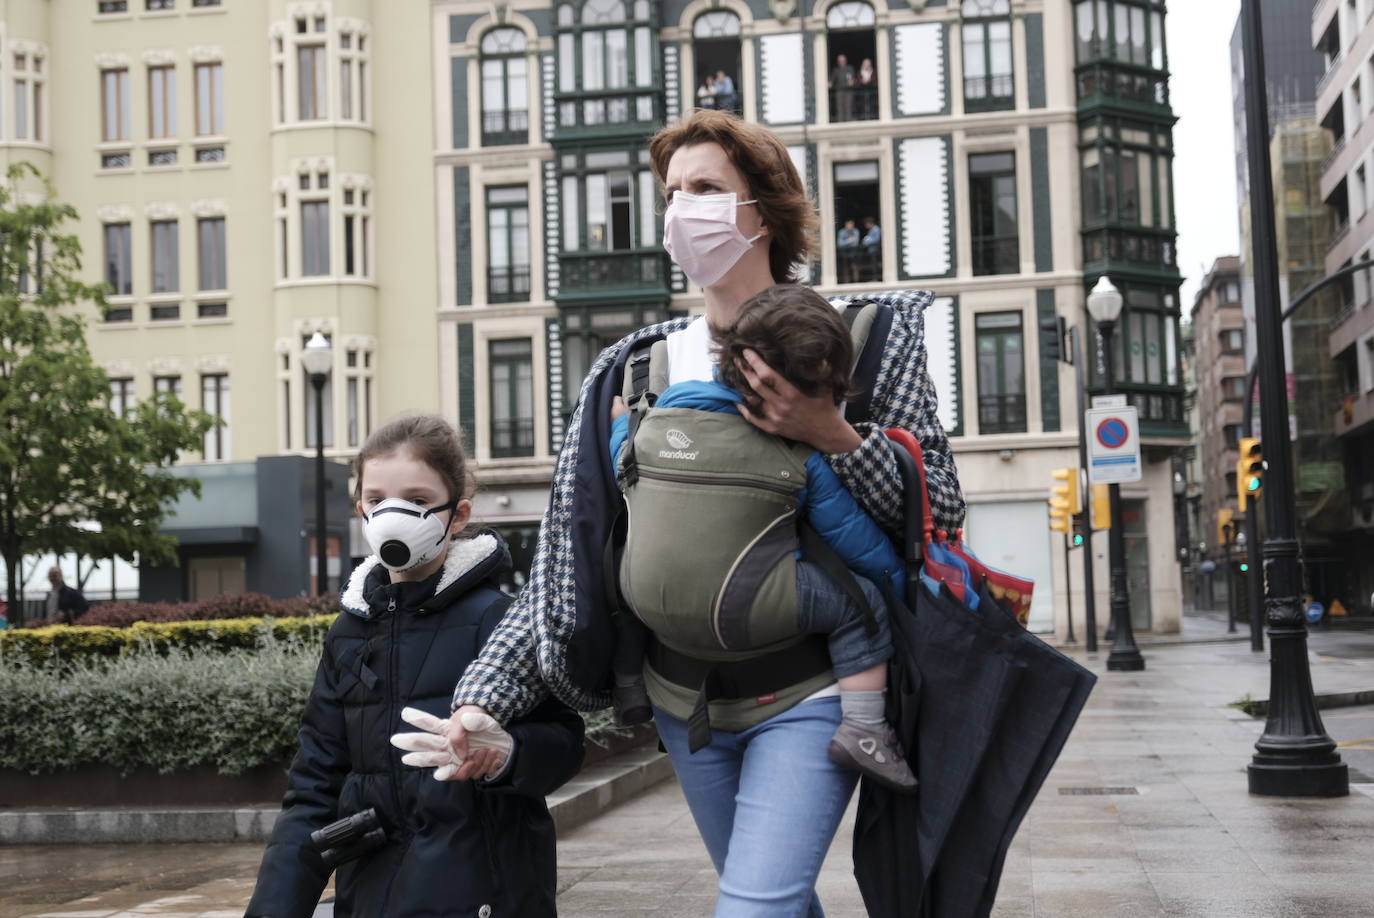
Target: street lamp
x=1104, y=305
x=318, y=358
x=1294, y=757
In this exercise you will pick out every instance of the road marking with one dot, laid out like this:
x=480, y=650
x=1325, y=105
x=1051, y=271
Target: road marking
x=1357, y=744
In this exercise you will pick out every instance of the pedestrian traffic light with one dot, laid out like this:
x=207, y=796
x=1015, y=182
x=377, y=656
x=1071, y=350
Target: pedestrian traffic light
x=1102, y=507
x=1244, y=566
x=1080, y=529
x=1063, y=499
x=1052, y=339
x=1225, y=526
x=1249, y=472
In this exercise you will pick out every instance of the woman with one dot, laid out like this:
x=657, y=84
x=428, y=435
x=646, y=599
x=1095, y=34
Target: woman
x=766, y=799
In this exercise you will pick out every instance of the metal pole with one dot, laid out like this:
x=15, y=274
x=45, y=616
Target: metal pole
x=1294, y=757
x=1068, y=587
x=1254, y=580
x=1232, y=588
x=1125, y=656
x=321, y=558
x=1089, y=599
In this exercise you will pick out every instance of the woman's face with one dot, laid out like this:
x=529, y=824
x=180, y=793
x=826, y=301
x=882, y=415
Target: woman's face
x=704, y=168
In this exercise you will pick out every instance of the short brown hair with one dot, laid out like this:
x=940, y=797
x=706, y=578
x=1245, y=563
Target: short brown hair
x=767, y=169
x=798, y=333
x=430, y=439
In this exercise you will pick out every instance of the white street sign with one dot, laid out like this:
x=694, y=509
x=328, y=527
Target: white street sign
x=1113, y=445
x=1109, y=401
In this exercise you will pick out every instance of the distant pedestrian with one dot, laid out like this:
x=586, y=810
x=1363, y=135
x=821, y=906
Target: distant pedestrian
x=63, y=604
x=415, y=614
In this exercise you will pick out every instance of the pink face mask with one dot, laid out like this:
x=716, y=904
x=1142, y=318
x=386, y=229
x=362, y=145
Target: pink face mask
x=701, y=237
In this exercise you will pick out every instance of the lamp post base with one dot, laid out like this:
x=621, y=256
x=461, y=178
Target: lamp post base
x=1125, y=661
x=1285, y=776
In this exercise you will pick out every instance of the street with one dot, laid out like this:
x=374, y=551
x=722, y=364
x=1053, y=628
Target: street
x=1146, y=814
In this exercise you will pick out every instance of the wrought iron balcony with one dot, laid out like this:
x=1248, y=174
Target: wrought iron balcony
x=854, y=103
x=1002, y=413
x=989, y=93
x=508, y=284
x=505, y=126
x=512, y=438
x=640, y=270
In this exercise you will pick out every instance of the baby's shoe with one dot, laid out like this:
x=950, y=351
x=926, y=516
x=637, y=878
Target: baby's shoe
x=873, y=751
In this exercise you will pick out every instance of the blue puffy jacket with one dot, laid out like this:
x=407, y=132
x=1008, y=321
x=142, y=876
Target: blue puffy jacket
x=828, y=507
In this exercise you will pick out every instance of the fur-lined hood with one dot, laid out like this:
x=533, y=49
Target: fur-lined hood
x=470, y=561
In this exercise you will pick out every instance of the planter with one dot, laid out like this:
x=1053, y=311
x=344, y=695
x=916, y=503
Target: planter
x=104, y=786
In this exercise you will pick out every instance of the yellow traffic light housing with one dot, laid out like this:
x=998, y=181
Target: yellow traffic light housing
x=1225, y=525
x=1063, y=499
x=1249, y=472
x=1102, y=507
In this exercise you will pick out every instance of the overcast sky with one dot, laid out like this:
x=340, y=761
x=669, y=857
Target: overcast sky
x=1199, y=35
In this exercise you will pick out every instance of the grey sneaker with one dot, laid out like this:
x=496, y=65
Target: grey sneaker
x=873, y=751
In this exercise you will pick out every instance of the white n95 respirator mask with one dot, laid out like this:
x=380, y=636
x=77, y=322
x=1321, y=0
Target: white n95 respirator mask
x=405, y=535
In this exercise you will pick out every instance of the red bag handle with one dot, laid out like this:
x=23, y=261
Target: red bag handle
x=907, y=440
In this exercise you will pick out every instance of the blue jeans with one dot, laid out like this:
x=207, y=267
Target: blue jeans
x=823, y=607
x=767, y=802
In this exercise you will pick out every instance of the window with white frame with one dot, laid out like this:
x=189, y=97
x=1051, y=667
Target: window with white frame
x=114, y=90
x=311, y=68
x=353, y=58
x=505, y=88
x=358, y=376
x=357, y=230
x=210, y=254
x=30, y=83
x=166, y=275
x=162, y=102
x=119, y=268
x=314, y=223
x=167, y=385
x=122, y=396
x=214, y=401
x=210, y=99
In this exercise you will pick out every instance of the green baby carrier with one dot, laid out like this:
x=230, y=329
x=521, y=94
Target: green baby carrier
x=711, y=537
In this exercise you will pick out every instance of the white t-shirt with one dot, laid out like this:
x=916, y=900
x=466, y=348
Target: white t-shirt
x=690, y=357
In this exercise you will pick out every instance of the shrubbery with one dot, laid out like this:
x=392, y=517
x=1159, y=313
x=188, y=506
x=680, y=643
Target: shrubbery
x=231, y=711
x=229, y=605
x=61, y=644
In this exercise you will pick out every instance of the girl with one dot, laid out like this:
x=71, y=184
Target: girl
x=765, y=798
x=415, y=613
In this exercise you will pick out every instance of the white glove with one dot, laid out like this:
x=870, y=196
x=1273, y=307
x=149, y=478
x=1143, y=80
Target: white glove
x=486, y=739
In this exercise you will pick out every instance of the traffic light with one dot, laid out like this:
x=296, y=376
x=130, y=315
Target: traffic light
x=1052, y=339
x=1080, y=530
x=1102, y=507
x=1249, y=472
x=1225, y=526
x=1064, y=499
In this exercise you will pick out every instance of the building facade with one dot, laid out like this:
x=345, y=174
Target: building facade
x=1341, y=31
x=1009, y=154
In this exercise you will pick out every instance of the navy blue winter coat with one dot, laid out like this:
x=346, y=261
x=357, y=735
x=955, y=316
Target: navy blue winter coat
x=468, y=848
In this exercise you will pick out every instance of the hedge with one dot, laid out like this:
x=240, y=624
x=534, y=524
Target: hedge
x=229, y=605
x=184, y=708
x=62, y=644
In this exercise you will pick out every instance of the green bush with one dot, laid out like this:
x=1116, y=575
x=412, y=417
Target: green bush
x=167, y=711
x=60, y=644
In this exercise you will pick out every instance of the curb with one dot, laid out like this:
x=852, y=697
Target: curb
x=1260, y=707
x=596, y=789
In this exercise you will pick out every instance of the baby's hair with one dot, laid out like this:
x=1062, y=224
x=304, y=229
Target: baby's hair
x=430, y=439
x=798, y=333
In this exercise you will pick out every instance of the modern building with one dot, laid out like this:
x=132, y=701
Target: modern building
x=1218, y=346
x=1341, y=31
x=1010, y=152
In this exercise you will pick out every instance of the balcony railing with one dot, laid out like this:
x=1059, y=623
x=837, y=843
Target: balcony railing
x=1339, y=232
x=1144, y=247
x=854, y=103
x=1002, y=413
x=597, y=111
x=724, y=101
x=588, y=272
x=512, y=438
x=1117, y=81
x=509, y=284
x=505, y=126
x=1326, y=77
x=857, y=265
x=1335, y=151
x=996, y=254
x=989, y=93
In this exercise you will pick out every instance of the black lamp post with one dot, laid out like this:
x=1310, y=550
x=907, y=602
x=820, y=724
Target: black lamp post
x=1104, y=304
x=1294, y=757
x=318, y=358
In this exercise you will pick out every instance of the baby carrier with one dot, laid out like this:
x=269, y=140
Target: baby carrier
x=724, y=614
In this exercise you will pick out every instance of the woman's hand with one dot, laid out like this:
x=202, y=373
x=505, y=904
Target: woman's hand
x=785, y=411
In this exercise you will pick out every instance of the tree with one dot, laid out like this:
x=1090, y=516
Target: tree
x=67, y=459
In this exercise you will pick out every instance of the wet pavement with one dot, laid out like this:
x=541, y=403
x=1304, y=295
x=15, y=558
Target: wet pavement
x=1146, y=814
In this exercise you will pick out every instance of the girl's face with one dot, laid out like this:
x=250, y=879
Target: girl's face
x=401, y=474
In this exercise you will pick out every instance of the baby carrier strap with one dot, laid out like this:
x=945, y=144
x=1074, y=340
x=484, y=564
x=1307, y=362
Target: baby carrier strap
x=869, y=325
x=646, y=376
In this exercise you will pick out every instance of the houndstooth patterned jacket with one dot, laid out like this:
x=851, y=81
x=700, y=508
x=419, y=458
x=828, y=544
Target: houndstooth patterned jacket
x=524, y=657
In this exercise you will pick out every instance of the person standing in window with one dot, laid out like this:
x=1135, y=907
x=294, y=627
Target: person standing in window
x=847, y=252
x=842, y=89
x=706, y=95
x=725, y=92
x=872, y=244
x=867, y=90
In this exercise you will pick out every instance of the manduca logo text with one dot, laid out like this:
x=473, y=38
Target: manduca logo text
x=679, y=442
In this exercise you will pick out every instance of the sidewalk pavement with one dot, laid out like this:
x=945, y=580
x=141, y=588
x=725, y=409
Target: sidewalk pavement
x=1145, y=814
